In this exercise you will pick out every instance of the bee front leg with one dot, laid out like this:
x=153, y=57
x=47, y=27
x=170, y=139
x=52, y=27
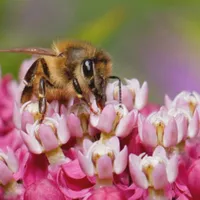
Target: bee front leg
x=26, y=94
x=80, y=94
x=42, y=98
x=28, y=81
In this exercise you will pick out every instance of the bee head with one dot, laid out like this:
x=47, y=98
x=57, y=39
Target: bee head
x=96, y=70
x=89, y=69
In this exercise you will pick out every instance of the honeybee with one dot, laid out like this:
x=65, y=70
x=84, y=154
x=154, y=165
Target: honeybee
x=69, y=69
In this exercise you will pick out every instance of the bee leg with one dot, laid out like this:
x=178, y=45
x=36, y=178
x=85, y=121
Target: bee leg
x=79, y=91
x=30, y=74
x=77, y=88
x=26, y=94
x=42, y=98
x=28, y=81
x=80, y=94
x=45, y=67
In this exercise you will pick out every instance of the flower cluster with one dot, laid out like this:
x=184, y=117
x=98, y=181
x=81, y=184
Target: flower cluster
x=129, y=150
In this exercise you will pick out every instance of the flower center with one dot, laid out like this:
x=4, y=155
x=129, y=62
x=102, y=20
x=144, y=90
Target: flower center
x=101, y=151
x=160, y=132
x=147, y=164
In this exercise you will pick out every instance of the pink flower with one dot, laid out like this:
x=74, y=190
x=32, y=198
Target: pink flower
x=72, y=181
x=193, y=179
x=8, y=166
x=74, y=124
x=107, y=193
x=78, y=121
x=168, y=127
x=114, y=119
x=187, y=124
x=48, y=135
x=193, y=148
x=187, y=100
x=35, y=169
x=28, y=113
x=133, y=96
x=43, y=190
x=12, y=139
x=81, y=152
x=6, y=104
x=153, y=171
x=103, y=158
x=158, y=129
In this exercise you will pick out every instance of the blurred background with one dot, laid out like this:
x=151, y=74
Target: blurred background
x=153, y=40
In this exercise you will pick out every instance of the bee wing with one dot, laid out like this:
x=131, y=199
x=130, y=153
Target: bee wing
x=32, y=51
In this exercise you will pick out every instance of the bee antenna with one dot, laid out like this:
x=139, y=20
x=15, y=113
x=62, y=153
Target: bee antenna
x=120, y=87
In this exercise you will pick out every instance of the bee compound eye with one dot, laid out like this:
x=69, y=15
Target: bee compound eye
x=88, y=66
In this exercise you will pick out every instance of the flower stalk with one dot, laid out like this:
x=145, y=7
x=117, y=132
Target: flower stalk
x=55, y=156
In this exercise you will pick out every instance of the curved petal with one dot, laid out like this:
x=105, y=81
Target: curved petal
x=47, y=137
x=104, y=167
x=32, y=144
x=94, y=118
x=121, y=160
x=193, y=127
x=72, y=169
x=26, y=118
x=140, y=125
x=170, y=133
x=137, y=175
x=106, y=119
x=126, y=124
x=74, y=125
x=127, y=98
x=86, y=164
x=17, y=116
x=62, y=131
x=172, y=169
x=55, y=105
x=141, y=96
x=182, y=125
x=160, y=152
x=110, y=91
x=11, y=160
x=132, y=84
x=159, y=176
x=5, y=175
x=149, y=134
x=86, y=145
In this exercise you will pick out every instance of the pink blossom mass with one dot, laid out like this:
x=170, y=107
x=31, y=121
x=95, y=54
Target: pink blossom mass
x=124, y=150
